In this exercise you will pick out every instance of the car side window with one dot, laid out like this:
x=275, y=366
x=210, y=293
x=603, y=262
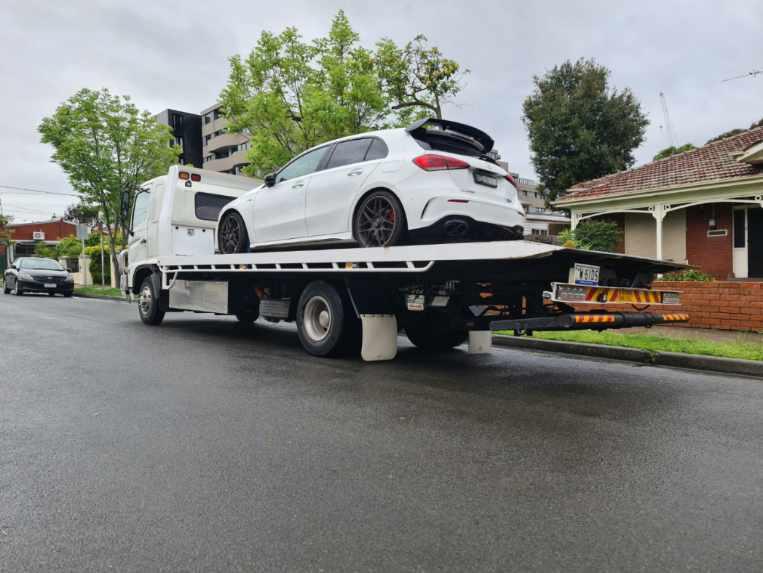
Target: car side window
x=303, y=165
x=349, y=152
x=140, y=210
x=378, y=150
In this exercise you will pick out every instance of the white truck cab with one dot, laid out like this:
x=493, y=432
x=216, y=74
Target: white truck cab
x=176, y=214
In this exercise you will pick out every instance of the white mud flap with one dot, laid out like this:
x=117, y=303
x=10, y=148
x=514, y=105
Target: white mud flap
x=379, y=337
x=480, y=341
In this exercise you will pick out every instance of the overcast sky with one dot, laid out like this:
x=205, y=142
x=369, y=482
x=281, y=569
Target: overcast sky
x=174, y=54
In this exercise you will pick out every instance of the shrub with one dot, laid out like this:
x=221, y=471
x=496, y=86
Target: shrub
x=597, y=235
x=94, y=253
x=688, y=275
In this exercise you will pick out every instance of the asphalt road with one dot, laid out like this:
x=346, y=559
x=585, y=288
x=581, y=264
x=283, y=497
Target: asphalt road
x=203, y=446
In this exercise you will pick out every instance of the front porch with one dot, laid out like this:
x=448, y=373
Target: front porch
x=718, y=229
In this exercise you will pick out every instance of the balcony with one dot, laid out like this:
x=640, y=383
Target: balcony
x=224, y=141
x=227, y=163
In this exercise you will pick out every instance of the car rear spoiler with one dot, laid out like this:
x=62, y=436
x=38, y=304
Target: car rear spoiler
x=451, y=129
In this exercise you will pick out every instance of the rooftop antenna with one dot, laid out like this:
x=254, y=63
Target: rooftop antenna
x=747, y=75
x=666, y=115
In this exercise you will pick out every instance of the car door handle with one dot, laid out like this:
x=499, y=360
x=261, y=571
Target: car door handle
x=143, y=241
x=355, y=172
x=297, y=185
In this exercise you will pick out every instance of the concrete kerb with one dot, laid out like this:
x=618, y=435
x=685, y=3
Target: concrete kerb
x=674, y=359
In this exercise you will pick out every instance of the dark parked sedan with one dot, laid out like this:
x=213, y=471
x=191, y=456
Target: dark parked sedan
x=33, y=274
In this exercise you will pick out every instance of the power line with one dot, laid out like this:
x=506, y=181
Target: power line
x=747, y=75
x=30, y=190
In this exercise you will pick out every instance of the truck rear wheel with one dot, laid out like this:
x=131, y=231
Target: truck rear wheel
x=148, y=303
x=326, y=322
x=429, y=336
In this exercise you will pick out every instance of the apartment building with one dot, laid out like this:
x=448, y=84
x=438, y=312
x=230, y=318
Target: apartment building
x=186, y=129
x=223, y=151
x=541, y=221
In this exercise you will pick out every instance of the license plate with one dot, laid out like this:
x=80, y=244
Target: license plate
x=585, y=274
x=485, y=179
x=50, y=285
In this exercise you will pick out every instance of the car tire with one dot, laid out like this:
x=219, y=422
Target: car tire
x=6, y=290
x=428, y=336
x=17, y=290
x=231, y=234
x=326, y=322
x=379, y=220
x=51, y=294
x=148, y=303
x=67, y=295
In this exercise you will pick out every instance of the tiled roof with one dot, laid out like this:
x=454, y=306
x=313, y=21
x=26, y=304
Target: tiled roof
x=714, y=162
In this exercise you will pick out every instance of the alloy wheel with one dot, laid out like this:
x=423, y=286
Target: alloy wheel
x=230, y=235
x=378, y=221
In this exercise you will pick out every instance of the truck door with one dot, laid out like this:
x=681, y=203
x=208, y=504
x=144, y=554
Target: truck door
x=137, y=246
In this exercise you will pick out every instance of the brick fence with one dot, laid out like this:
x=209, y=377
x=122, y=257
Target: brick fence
x=725, y=305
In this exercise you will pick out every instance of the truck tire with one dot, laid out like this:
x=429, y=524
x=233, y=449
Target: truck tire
x=326, y=321
x=428, y=336
x=148, y=303
x=249, y=316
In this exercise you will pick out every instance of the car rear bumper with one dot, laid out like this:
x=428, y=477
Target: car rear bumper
x=461, y=228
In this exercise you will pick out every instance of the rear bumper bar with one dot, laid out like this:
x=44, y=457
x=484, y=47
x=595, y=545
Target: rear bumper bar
x=589, y=321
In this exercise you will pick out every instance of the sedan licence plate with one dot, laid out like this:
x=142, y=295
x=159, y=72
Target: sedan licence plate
x=50, y=285
x=485, y=179
x=585, y=274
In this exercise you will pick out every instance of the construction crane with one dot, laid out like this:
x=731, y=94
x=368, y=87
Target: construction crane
x=747, y=75
x=666, y=115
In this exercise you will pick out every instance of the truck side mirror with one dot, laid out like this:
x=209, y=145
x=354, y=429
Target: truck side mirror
x=270, y=179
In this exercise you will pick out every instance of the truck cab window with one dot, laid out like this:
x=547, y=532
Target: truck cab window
x=140, y=211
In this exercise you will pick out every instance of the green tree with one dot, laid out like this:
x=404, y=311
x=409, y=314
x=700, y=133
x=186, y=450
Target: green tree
x=43, y=250
x=69, y=247
x=290, y=95
x=579, y=127
x=417, y=79
x=673, y=150
x=107, y=147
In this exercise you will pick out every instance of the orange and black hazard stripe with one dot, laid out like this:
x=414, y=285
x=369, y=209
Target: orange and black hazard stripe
x=594, y=318
x=632, y=296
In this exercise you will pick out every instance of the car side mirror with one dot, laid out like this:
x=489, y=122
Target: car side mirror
x=270, y=179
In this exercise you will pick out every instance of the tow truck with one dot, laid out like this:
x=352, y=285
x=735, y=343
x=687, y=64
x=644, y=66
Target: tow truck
x=351, y=300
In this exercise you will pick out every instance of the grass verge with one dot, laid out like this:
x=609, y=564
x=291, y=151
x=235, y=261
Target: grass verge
x=98, y=291
x=652, y=343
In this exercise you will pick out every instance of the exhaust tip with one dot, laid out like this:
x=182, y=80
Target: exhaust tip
x=456, y=228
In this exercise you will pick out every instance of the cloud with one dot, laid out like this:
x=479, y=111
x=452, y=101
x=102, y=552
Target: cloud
x=166, y=54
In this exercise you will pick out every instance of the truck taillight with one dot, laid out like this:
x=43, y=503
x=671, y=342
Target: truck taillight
x=185, y=176
x=433, y=162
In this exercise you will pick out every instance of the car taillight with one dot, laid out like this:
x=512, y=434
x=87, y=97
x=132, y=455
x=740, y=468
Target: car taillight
x=432, y=162
x=510, y=179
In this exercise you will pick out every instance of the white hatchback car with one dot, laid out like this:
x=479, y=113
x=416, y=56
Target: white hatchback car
x=431, y=182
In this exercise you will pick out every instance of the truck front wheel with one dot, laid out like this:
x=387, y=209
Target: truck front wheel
x=431, y=337
x=148, y=303
x=326, y=322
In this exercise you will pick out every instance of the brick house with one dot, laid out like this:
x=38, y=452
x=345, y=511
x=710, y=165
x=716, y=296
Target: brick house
x=703, y=207
x=26, y=235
